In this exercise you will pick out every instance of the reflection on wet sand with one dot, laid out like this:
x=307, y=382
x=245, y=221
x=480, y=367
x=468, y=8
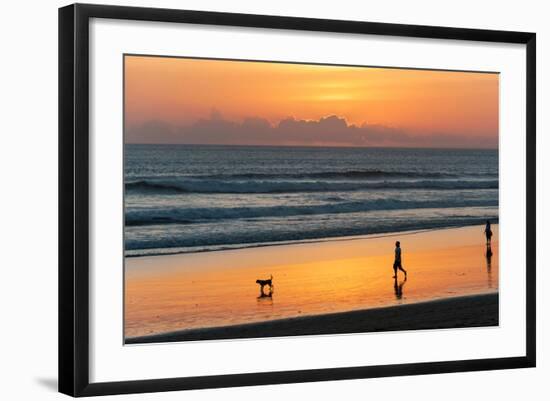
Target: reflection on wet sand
x=488, y=258
x=398, y=287
x=266, y=295
x=168, y=293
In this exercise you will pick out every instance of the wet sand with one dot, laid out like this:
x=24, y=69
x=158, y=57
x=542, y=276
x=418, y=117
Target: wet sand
x=336, y=286
x=468, y=311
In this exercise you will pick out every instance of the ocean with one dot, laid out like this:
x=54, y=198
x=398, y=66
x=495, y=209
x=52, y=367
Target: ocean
x=193, y=198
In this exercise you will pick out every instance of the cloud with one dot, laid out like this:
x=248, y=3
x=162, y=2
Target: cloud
x=327, y=131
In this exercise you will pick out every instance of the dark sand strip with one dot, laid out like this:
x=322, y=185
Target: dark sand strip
x=458, y=312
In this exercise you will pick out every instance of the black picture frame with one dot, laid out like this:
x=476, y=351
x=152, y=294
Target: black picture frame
x=74, y=200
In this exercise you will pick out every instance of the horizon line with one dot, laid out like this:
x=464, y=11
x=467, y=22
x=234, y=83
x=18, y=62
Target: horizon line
x=309, y=146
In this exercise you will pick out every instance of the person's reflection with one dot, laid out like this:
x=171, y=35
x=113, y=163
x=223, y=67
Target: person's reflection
x=398, y=287
x=488, y=257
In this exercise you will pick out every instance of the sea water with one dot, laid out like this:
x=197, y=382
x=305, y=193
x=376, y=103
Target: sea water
x=190, y=198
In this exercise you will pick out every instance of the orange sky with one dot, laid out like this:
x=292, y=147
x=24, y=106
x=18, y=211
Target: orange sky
x=180, y=91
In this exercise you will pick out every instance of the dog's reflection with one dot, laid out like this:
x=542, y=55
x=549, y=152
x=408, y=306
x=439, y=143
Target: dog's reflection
x=263, y=284
x=266, y=294
x=398, y=287
x=265, y=299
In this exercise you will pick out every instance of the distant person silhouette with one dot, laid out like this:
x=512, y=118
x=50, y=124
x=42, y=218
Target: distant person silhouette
x=397, y=261
x=488, y=232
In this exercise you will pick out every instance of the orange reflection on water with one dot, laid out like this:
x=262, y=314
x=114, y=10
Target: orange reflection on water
x=167, y=293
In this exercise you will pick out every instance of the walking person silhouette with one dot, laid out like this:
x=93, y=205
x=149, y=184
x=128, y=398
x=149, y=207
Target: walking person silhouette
x=397, y=261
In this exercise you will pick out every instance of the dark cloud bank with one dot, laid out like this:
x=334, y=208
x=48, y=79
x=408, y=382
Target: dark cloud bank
x=328, y=131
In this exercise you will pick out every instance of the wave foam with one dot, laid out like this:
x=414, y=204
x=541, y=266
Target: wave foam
x=183, y=185
x=159, y=216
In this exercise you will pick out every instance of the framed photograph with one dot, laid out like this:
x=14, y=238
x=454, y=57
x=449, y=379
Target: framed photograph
x=250, y=199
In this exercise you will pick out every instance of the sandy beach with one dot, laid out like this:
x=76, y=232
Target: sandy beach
x=337, y=286
x=467, y=311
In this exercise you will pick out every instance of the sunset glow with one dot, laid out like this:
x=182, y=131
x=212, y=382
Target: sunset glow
x=268, y=199
x=179, y=92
